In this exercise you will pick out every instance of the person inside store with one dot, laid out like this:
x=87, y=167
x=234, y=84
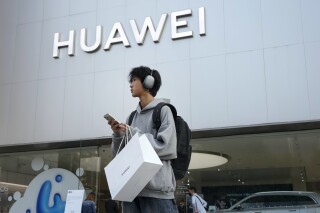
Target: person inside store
x=111, y=206
x=88, y=205
x=182, y=206
x=158, y=195
x=218, y=204
x=197, y=202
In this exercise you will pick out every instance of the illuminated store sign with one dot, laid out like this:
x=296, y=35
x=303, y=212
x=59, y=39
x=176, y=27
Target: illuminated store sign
x=118, y=35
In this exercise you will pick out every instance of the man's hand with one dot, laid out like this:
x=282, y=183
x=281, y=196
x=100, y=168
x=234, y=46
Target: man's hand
x=117, y=127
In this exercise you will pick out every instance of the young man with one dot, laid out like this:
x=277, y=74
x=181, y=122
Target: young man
x=158, y=195
x=196, y=201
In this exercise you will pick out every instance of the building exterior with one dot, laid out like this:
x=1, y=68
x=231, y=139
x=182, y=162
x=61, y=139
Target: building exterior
x=243, y=74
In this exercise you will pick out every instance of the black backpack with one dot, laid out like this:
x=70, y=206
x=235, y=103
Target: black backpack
x=179, y=165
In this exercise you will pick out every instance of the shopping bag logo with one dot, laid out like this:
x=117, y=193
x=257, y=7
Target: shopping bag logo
x=125, y=170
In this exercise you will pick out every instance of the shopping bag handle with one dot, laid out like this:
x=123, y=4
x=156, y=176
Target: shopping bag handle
x=125, y=138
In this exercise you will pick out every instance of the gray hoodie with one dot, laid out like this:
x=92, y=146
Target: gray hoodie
x=163, y=184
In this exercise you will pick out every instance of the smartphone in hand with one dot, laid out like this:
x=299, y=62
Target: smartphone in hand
x=109, y=118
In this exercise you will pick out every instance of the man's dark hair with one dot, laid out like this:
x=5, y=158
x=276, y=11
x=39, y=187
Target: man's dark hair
x=142, y=72
x=193, y=189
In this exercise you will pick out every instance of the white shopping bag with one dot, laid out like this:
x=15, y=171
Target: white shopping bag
x=131, y=170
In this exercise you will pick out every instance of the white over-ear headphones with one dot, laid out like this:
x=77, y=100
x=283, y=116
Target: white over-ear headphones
x=148, y=81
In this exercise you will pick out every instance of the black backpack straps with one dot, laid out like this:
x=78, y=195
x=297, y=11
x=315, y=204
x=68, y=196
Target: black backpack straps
x=203, y=204
x=131, y=117
x=156, y=116
x=199, y=199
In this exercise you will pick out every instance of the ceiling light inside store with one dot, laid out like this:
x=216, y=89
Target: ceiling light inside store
x=201, y=160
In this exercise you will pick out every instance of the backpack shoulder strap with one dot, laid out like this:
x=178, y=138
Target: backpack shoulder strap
x=199, y=200
x=156, y=115
x=202, y=203
x=133, y=113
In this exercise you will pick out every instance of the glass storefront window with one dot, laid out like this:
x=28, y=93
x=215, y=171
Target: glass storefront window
x=26, y=177
x=284, y=161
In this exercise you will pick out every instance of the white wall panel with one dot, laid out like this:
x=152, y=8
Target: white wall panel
x=51, y=67
x=243, y=30
x=115, y=57
x=170, y=51
x=256, y=67
x=134, y=10
x=49, y=115
x=281, y=21
x=313, y=72
x=140, y=56
x=5, y=91
x=214, y=41
x=77, y=117
x=30, y=11
x=286, y=81
x=55, y=9
x=176, y=86
x=108, y=97
x=82, y=62
x=246, y=88
x=22, y=113
x=167, y=6
x=310, y=19
x=9, y=13
x=82, y=6
x=27, y=52
x=6, y=58
x=209, y=100
x=8, y=20
x=111, y=3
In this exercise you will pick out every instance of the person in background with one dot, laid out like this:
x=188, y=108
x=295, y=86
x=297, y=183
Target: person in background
x=182, y=207
x=218, y=204
x=158, y=195
x=88, y=205
x=196, y=201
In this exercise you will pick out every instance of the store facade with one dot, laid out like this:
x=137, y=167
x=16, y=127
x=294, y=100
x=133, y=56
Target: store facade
x=243, y=74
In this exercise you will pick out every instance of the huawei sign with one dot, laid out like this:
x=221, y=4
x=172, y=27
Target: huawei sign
x=117, y=34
